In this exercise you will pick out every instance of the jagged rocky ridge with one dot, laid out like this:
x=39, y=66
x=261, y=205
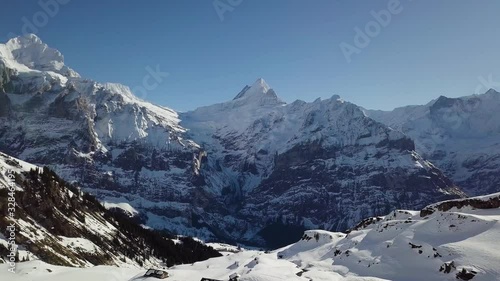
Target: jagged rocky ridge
x=239, y=170
x=459, y=135
x=59, y=224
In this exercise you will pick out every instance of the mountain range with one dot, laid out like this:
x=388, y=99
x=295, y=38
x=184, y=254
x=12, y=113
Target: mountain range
x=255, y=169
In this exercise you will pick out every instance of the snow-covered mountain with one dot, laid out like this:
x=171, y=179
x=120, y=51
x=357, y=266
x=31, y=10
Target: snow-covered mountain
x=319, y=165
x=452, y=240
x=246, y=170
x=56, y=222
x=30, y=53
x=119, y=147
x=461, y=136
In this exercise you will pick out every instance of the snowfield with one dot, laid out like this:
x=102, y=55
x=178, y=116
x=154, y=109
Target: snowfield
x=402, y=246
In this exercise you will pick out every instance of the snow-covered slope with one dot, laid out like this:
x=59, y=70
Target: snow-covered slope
x=232, y=171
x=409, y=245
x=459, y=243
x=460, y=135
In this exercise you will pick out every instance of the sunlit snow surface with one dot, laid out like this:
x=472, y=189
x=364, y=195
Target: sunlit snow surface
x=400, y=246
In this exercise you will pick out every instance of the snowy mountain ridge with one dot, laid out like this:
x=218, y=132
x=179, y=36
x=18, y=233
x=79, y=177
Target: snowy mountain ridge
x=288, y=156
x=459, y=135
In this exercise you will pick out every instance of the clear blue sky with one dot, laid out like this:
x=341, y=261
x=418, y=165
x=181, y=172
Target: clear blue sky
x=430, y=48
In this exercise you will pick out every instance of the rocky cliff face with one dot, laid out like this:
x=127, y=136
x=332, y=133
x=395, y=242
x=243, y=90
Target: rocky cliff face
x=230, y=171
x=459, y=135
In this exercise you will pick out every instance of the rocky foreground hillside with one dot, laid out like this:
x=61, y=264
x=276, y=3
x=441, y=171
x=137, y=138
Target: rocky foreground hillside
x=56, y=222
x=246, y=170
